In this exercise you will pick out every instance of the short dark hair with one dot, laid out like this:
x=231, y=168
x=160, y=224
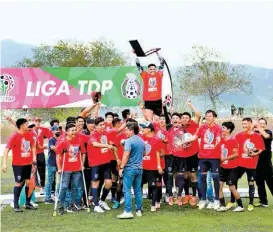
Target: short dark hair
x=115, y=115
x=151, y=65
x=247, y=119
x=186, y=113
x=176, y=114
x=162, y=116
x=79, y=117
x=54, y=121
x=124, y=113
x=133, y=126
x=99, y=120
x=212, y=112
x=131, y=120
x=70, y=119
x=229, y=125
x=69, y=125
x=20, y=122
x=109, y=113
x=263, y=119
x=116, y=121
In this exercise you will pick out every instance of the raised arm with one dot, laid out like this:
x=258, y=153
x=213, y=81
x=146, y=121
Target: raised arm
x=139, y=67
x=197, y=114
x=8, y=118
x=87, y=110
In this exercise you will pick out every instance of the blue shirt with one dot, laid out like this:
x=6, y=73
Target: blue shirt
x=51, y=154
x=136, y=146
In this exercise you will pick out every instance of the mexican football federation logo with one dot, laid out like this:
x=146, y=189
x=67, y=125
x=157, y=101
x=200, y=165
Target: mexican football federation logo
x=6, y=85
x=130, y=87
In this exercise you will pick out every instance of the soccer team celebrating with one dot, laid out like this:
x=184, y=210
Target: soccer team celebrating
x=93, y=154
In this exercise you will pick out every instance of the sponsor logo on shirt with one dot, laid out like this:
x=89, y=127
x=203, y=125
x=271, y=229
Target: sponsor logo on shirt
x=25, y=148
x=72, y=153
x=249, y=148
x=208, y=139
x=224, y=153
x=152, y=84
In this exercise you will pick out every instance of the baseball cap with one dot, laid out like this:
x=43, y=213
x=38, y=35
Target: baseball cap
x=147, y=125
x=54, y=128
x=31, y=125
x=36, y=119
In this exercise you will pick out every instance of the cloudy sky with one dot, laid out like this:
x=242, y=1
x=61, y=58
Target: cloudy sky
x=241, y=32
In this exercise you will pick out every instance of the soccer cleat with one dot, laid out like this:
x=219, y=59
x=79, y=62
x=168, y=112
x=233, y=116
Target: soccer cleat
x=17, y=210
x=42, y=191
x=98, y=209
x=125, y=215
x=61, y=211
x=49, y=202
x=231, y=205
x=250, y=208
x=138, y=213
x=210, y=205
x=193, y=201
x=116, y=205
x=30, y=207
x=71, y=209
x=222, y=209
x=179, y=201
x=157, y=205
x=170, y=200
x=186, y=199
x=104, y=205
x=202, y=204
x=113, y=199
x=34, y=204
x=175, y=200
x=153, y=209
x=216, y=205
x=78, y=207
x=238, y=209
x=260, y=205
x=166, y=199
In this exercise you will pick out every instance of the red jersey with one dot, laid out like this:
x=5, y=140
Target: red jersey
x=40, y=133
x=152, y=146
x=227, y=147
x=84, y=138
x=162, y=134
x=190, y=149
x=70, y=152
x=120, y=137
x=108, y=126
x=112, y=134
x=175, y=141
x=98, y=155
x=21, y=144
x=152, y=86
x=209, y=149
x=249, y=143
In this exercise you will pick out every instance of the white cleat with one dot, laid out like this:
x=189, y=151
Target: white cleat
x=153, y=209
x=222, y=209
x=104, y=205
x=125, y=215
x=238, y=209
x=210, y=205
x=216, y=205
x=202, y=204
x=138, y=213
x=98, y=209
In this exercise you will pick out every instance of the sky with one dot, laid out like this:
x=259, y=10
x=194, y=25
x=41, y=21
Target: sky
x=241, y=31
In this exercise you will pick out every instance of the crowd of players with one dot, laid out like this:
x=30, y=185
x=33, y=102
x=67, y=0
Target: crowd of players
x=180, y=151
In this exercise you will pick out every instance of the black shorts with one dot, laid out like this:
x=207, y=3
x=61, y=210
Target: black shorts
x=155, y=106
x=192, y=163
x=113, y=167
x=228, y=175
x=21, y=173
x=180, y=164
x=169, y=164
x=100, y=172
x=151, y=177
x=212, y=165
x=251, y=173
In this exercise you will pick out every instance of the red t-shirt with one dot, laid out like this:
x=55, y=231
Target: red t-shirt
x=121, y=136
x=152, y=86
x=192, y=148
x=112, y=135
x=70, y=152
x=40, y=134
x=98, y=155
x=227, y=147
x=249, y=143
x=84, y=138
x=21, y=144
x=108, y=126
x=175, y=141
x=208, y=147
x=152, y=146
x=162, y=134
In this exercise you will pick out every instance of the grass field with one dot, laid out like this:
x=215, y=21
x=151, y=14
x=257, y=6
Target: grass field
x=167, y=219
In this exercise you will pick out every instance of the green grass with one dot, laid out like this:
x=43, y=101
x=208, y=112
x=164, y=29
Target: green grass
x=167, y=219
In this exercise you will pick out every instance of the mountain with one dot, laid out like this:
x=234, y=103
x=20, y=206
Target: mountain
x=262, y=81
x=12, y=52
